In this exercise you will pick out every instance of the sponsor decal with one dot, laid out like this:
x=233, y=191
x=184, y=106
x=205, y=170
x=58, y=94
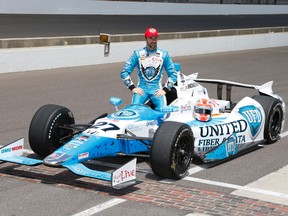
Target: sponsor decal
x=82, y=138
x=151, y=123
x=186, y=107
x=192, y=85
x=57, y=158
x=55, y=155
x=133, y=127
x=149, y=73
x=91, y=131
x=231, y=146
x=227, y=148
x=6, y=150
x=207, y=144
x=233, y=127
x=114, y=120
x=254, y=117
x=14, y=148
x=167, y=115
x=70, y=146
x=75, y=143
x=124, y=173
x=83, y=155
x=126, y=113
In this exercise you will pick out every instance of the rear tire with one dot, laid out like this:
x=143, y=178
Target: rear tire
x=172, y=150
x=44, y=131
x=274, y=116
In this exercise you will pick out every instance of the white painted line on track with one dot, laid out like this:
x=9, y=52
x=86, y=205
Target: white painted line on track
x=275, y=181
x=284, y=134
x=100, y=207
x=197, y=214
x=195, y=170
x=191, y=171
x=28, y=151
x=238, y=187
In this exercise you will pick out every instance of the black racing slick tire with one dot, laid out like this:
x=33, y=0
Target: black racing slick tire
x=172, y=150
x=44, y=131
x=274, y=117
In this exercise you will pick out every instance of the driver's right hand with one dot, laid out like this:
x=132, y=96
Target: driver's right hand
x=138, y=91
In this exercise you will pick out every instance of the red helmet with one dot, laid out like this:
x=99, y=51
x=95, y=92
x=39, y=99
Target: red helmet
x=151, y=32
x=203, y=110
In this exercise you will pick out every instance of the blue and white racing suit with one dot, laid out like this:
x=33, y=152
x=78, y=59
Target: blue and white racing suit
x=150, y=66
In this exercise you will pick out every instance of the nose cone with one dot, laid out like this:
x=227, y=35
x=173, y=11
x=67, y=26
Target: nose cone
x=56, y=159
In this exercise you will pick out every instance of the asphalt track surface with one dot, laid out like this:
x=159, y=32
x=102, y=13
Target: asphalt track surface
x=86, y=91
x=23, y=26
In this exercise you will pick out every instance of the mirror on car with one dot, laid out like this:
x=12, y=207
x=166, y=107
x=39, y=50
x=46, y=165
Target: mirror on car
x=115, y=102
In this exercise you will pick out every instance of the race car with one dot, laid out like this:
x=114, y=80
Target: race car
x=170, y=136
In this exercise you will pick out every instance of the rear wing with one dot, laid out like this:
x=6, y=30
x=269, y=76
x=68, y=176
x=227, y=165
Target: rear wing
x=265, y=89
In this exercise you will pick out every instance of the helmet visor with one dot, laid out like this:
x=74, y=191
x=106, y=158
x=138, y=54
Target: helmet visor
x=203, y=111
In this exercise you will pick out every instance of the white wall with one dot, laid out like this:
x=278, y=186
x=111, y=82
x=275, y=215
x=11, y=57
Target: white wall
x=16, y=60
x=139, y=8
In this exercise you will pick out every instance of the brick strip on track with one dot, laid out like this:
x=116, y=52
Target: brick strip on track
x=150, y=192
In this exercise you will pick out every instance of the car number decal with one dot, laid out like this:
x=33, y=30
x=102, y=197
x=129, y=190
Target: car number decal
x=105, y=126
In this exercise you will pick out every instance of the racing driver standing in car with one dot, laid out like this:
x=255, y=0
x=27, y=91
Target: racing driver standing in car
x=150, y=62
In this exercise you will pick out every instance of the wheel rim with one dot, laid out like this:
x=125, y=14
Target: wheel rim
x=275, y=125
x=59, y=132
x=183, y=153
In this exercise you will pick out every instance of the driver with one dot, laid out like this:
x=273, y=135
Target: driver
x=203, y=110
x=150, y=62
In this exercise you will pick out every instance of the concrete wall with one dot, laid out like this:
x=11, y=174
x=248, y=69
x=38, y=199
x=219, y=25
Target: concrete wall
x=24, y=59
x=140, y=8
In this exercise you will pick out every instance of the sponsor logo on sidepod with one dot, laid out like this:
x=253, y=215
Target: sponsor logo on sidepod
x=254, y=117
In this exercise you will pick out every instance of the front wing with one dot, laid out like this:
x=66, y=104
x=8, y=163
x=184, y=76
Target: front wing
x=121, y=178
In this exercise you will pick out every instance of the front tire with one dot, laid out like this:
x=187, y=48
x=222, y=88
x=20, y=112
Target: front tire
x=172, y=150
x=44, y=131
x=274, y=117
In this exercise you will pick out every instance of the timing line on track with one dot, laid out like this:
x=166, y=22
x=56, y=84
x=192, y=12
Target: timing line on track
x=100, y=207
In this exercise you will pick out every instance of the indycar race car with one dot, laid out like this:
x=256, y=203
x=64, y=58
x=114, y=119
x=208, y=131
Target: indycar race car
x=170, y=136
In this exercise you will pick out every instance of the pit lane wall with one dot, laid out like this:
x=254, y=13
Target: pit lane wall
x=178, y=44
x=26, y=59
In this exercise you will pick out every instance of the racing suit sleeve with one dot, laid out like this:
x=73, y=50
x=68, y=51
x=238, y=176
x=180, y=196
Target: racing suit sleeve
x=171, y=72
x=128, y=69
